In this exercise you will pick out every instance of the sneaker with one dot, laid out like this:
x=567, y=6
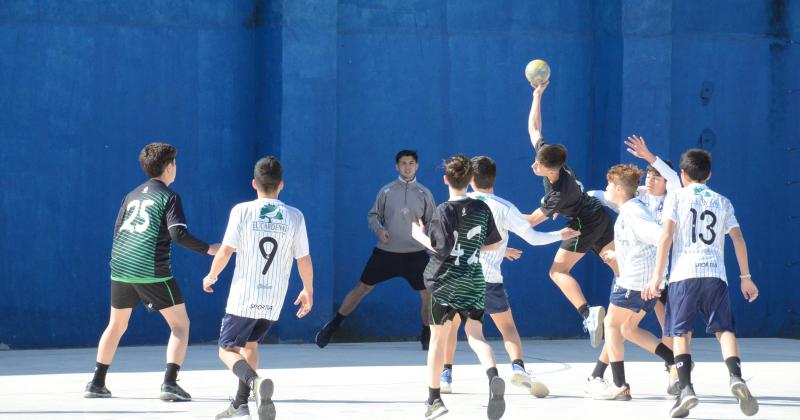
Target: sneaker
x=173, y=392
x=613, y=392
x=231, y=413
x=593, y=324
x=446, y=381
x=747, y=403
x=520, y=377
x=435, y=410
x=497, y=405
x=674, y=386
x=686, y=401
x=95, y=391
x=262, y=390
x=425, y=338
x=594, y=386
x=324, y=335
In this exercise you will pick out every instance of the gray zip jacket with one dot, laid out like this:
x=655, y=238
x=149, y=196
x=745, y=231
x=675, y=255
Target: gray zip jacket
x=398, y=204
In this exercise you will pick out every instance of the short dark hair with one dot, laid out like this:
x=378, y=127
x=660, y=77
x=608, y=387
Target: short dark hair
x=412, y=153
x=652, y=170
x=552, y=156
x=484, y=171
x=155, y=157
x=697, y=164
x=458, y=171
x=625, y=175
x=268, y=174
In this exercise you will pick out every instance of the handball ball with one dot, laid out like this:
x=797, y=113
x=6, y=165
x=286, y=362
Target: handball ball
x=537, y=72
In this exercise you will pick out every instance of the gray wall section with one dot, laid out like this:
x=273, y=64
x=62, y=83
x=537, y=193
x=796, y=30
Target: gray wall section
x=335, y=89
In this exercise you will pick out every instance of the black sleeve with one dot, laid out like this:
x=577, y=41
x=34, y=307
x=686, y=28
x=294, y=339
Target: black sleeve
x=440, y=231
x=176, y=224
x=551, y=202
x=492, y=234
x=122, y=210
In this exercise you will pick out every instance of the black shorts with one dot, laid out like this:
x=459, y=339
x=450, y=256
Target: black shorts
x=597, y=231
x=443, y=313
x=385, y=265
x=236, y=331
x=154, y=296
x=496, y=298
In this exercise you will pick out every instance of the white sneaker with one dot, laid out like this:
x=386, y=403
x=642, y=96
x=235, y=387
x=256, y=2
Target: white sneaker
x=613, y=392
x=594, y=386
x=522, y=378
x=593, y=324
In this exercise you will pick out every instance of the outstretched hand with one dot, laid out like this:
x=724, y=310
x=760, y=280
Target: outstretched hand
x=538, y=90
x=638, y=148
x=512, y=254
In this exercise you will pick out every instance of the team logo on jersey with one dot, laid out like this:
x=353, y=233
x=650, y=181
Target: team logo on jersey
x=271, y=212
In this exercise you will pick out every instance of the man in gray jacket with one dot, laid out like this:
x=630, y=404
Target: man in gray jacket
x=399, y=203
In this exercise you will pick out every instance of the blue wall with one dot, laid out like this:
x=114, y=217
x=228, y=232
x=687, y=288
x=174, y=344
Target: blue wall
x=335, y=89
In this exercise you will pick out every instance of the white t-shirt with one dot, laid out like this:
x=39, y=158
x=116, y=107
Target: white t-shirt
x=636, y=237
x=702, y=219
x=507, y=218
x=268, y=236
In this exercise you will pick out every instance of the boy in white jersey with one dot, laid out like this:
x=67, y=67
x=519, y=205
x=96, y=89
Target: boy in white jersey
x=636, y=235
x=267, y=235
x=507, y=218
x=661, y=179
x=696, y=220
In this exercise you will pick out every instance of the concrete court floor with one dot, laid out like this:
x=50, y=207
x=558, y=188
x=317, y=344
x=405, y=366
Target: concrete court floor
x=387, y=381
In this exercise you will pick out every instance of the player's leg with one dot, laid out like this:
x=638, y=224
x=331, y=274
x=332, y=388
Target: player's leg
x=446, y=378
x=504, y=321
x=660, y=310
x=411, y=267
x=497, y=387
x=615, y=348
x=178, y=321
x=441, y=320
x=682, y=304
x=560, y=273
x=380, y=267
x=238, y=350
x=717, y=314
x=106, y=348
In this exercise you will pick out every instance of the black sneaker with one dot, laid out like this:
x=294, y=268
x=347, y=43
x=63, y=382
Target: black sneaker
x=435, y=410
x=686, y=401
x=95, y=391
x=173, y=392
x=262, y=390
x=497, y=405
x=747, y=403
x=425, y=338
x=324, y=335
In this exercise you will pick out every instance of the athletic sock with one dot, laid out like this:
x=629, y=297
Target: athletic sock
x=171, y=373
x=242, y=394
x=599, y=369
x=448, y=366
x=519, y=363
x=684, y=365
x=337, y=320
x=433, y=394
x=618, y=372
x=665, y=353
x=584, y=310
x=492, y=372
x=100, y=371
x=244, y=372
x=734, y=366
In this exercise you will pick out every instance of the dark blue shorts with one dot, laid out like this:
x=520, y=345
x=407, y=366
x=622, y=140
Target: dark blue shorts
x=236, y=331
x=496, y=298
x=630, y=299
x=707, y=295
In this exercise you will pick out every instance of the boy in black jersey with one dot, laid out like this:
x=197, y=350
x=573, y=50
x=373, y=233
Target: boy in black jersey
x=459, y=230
x=151, y=217
x=564, y=195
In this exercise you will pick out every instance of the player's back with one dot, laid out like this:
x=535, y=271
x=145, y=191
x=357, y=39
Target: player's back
x=703, y=217
x=268, y=235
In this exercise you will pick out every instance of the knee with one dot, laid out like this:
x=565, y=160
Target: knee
x=180, y=328
x=117, y=327
x=627, y=331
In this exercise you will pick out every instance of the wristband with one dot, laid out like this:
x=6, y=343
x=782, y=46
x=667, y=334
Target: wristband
x=745, y=276
x=210, y=280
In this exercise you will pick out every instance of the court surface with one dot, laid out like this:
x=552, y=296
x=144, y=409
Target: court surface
x=387, y=381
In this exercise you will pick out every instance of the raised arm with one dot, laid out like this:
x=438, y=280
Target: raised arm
x=638, y=147
x=535, y=116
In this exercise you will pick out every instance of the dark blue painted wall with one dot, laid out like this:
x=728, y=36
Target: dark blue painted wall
x=335, y=89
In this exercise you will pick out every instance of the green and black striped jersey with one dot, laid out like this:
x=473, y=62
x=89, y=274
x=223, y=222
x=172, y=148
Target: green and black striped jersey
x=151, y=216
x=458, y=230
